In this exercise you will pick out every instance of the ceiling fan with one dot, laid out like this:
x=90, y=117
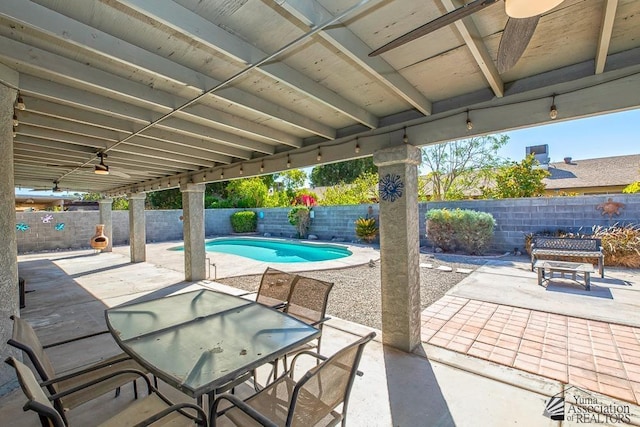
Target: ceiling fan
x=523, y=19
x=99, y=169
x=55, y=188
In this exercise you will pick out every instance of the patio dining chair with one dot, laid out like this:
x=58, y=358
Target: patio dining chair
x=25, y=339
x=154, y=409
x=310, y=401
x=307, y=302
x=275, y=287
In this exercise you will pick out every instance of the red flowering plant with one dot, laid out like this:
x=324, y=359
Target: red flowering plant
x=299, y=216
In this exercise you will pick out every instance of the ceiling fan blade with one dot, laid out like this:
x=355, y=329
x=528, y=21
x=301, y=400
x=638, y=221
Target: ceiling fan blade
x=121, y=174
x=515, y=39
x=436, y=24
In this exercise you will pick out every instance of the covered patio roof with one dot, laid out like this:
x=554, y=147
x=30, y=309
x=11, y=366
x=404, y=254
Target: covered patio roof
x=185, y=91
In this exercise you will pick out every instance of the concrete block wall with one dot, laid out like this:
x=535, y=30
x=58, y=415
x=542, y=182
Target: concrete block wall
x=329, y=221
x=514, y=218
x=517, y=217
x=79, y=227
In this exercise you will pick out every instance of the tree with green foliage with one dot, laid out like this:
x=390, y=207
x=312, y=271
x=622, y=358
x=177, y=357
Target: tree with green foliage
x=459, y=165
x=292, y=179
x=519, y=179
x=363, y=190
x=170, y=198
x=342, y=172
x=118, y=204
x=248, y=192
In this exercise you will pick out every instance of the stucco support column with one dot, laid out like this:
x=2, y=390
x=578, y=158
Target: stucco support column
x=105, y=218
x=193, y=229
x=8, y=244
x=399, y=246
x=137, y=231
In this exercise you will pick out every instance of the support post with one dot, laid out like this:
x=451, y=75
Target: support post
x=9, y=294
x=106, y=219
x=137, y=227
x=399, y=246
x=193, y=231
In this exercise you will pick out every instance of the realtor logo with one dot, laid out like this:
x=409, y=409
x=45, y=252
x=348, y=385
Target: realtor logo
x=584, y=407
x=554, y=408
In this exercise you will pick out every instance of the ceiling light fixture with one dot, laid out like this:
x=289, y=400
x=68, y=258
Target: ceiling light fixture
x=20, y=105
x=262, y=166
x=288, y=161
x=405, y=138
x=241, y=170
x=222, y=174
x=528, y=8
x=469, y=122
x=357, y=149
x=553, y=111
x=15, y=132
x=101, y=168
x=16, y=122
x=319, y=156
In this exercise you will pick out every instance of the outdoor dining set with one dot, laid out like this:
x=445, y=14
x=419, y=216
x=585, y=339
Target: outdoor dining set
x=206, y=344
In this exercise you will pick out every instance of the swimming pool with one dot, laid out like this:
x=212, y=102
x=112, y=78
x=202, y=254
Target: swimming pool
x=276, y=250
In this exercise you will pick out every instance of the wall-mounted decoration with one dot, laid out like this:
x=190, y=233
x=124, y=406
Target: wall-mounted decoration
x=610, y=208
x=47, y=219
x=391, y=187
x=22, y=226
x=59, y=226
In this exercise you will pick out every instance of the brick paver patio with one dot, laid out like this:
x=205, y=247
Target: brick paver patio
x=593, y=355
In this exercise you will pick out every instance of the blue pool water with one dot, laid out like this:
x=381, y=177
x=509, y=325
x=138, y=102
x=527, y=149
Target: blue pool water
x=276, y=251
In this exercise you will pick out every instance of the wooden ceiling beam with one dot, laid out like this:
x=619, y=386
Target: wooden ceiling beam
x=472, y=38
x=83, y=36
x=604, y=38
x=312, y=13
x=197, y=28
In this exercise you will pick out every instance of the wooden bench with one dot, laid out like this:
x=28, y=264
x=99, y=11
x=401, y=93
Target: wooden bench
x=567, y=247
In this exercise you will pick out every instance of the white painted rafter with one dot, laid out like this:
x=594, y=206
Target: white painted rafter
x=606, y=29
x=472, y=38
x=311, y=13
x=197, y=28
x=106, y=45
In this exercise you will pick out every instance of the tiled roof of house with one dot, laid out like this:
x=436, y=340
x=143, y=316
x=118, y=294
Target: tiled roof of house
x=601, y=172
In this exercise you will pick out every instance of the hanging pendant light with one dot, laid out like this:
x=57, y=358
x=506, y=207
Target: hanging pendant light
x=529, y=8
x=101, y=169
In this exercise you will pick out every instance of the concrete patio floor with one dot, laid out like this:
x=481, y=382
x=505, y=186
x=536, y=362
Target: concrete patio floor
x=469, y=371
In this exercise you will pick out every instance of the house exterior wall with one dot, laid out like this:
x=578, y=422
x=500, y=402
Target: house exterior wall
x=612, y=189
x=514, y=218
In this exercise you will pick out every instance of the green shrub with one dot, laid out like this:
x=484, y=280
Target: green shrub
x=474, y=231
x=467, y=230
x=440, y=229
x=299, y=216
x=244, y=222
x=366, y=229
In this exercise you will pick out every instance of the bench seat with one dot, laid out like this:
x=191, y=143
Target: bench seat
x=567, y=247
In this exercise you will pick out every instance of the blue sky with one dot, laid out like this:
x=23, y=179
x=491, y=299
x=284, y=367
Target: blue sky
x=607, y=135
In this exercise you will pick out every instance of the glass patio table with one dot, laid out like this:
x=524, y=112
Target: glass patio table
x=198, y=341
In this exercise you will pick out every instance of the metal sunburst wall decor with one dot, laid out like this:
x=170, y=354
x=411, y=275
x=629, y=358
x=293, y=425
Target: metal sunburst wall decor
x=391, y=187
